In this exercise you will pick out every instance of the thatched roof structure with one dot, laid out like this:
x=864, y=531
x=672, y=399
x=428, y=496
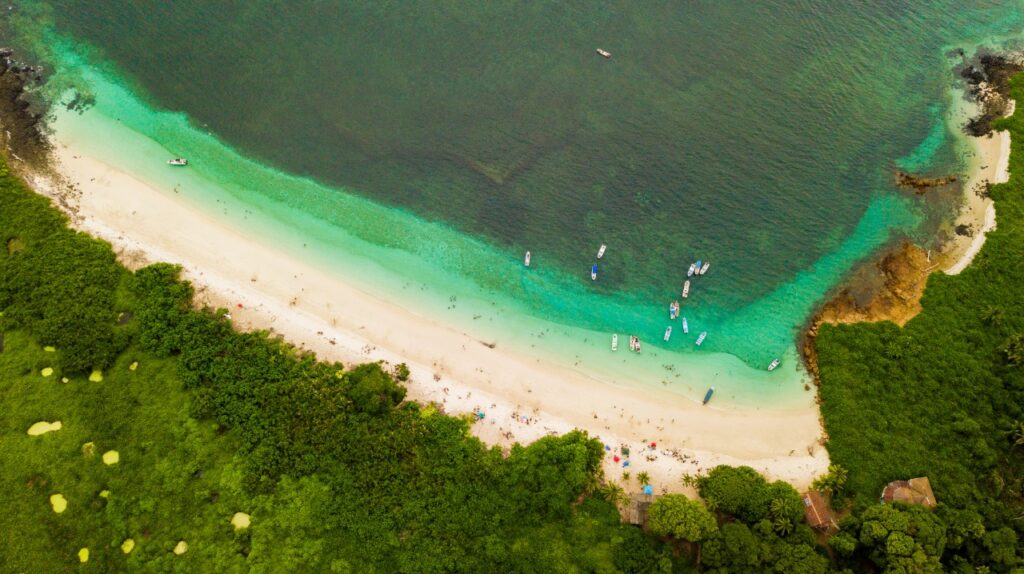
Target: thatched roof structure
x=913, y=491
x=818, y=512
x=635, y=511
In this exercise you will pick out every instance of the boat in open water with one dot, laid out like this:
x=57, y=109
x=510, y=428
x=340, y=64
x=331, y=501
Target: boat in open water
x=774, y=364
x=615, y=342
x=593, y=272
x=686, y=326
x=177, y=161
x=673, y=310
x=526, y=259
x=604, y=53
x=686, y=289
x=704, y=268
x=668, y=333
x=707, y=395
x=600, y=252
x=689, y=272
x=701, y=337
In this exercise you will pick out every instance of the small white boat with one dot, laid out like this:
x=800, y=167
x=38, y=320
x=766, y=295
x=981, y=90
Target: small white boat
x=668, y=332
x=604, y=53
x=632, y=342
x=615, y=342
x=593, y=273
x=689, y=272
x=600, y=252
x=673, y=310
x=526, y=260
x=704, y=268
x=638, y=345
x=686, y=326
x=774, y=364
x=686, y=289
x=700, y=339
x=177, y=161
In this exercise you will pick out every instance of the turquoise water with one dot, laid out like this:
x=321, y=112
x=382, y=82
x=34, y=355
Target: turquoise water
x=426, y=147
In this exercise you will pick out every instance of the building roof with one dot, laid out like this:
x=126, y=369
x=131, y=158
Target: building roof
x=817, y=511
x=635, y=512
x=913, y=491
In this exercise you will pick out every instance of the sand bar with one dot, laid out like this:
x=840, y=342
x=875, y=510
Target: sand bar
x=523, y=397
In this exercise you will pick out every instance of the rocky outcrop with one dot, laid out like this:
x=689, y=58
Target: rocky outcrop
x=920, y=185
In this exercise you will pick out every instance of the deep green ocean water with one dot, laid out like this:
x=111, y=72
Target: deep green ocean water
x=760, y=136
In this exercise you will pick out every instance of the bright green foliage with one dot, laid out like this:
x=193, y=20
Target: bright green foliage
x=677, y=516
x=940, y=396
x=745, y=494
x=833, y=483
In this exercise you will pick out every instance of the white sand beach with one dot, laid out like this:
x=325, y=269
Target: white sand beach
x=991, y=164
x=522, y=397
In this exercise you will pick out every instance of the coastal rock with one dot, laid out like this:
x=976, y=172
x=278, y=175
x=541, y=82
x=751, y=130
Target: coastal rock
x=988, y=79
x=920, y=185
x=888, y=288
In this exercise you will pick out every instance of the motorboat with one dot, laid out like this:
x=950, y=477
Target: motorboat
x=668, y=332
x=704, y=268
x=632, y=342
x=600, y=252
x=177, y=161
x=686, y=289
x=526, y=260
x=637, y=345
x=686, y=326
x=690, y=271
x=707, y=395
x=604, y=53
x=593, y=272
x=697, y=265
x=673, y=310
x=700, y=339
x=615, y=342
x=774, y=364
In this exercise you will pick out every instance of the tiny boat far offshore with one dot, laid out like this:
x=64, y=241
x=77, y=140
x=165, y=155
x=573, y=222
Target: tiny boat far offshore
x=600, y=252
x=604, y=53
x=707, y=395
x=704, y=268
x=526, y=260
x=686, y=327
x=615, y=342
x=668, y=332
x=673, y=310
x=774, y=364
x=686, y=289
x=689, y=272
x=593, y=272
x=700, y=339
x=177, y=161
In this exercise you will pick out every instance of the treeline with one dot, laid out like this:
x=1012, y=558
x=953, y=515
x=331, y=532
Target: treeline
x=943, y=397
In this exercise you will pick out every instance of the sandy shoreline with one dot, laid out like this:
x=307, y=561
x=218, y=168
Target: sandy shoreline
x=991, y=164
x=523, y=397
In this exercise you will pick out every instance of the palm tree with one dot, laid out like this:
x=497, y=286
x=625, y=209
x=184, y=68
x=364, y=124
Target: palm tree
x=689, y=481
x=992, y=315
x=625, y=476
x=1017, y=434
x=643, y=478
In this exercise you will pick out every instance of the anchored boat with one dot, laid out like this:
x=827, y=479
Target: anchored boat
x=686, y=327
x=689, y=272
x=526, y=260
x=615, y=342
x=177, y=161
x=673, y=310
x=707, y=395
x=632, y=342
x=700, y=339
x=600, y=252
x=604, y=53
x=704, y=268
x=686, y=289
x=668, y=332
x=593, y=273
x=774, y=364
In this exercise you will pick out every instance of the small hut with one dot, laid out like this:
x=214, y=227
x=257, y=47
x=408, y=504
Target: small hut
x=817, y=512
x=914, y=491
x=635, y=511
